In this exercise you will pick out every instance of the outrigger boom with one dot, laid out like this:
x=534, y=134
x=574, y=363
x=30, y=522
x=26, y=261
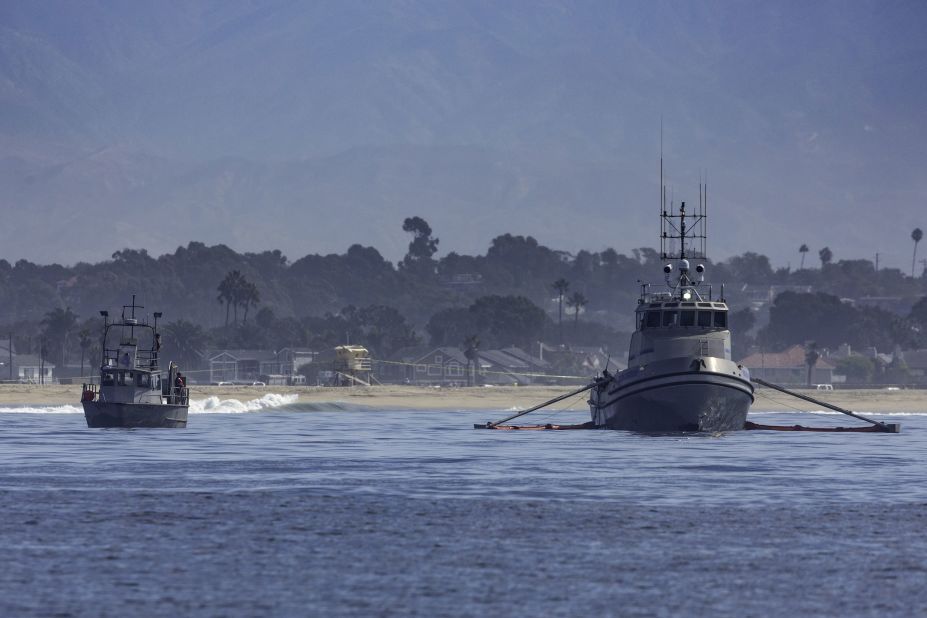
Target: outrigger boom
x=875, y=426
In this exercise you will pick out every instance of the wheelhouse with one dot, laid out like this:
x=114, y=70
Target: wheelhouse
x=676, y=314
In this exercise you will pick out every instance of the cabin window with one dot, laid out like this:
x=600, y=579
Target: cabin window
x=107, y=379
x=143, y=380
x=121, y=378
x=653, y=319
x=704, y=318
x=721, y=319
x=687, y=318
x=669, y=318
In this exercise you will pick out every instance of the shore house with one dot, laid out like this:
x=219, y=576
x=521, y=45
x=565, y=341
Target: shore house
x=242, y=365
x=788, y=368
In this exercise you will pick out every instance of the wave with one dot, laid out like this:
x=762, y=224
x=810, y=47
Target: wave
x=234, y=406
x=210, y=405
x=39, y=409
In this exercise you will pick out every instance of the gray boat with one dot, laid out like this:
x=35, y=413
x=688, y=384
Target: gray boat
x=132, y=392
x=680, y=375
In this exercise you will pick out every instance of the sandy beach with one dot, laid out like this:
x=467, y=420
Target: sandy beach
x=479, y=398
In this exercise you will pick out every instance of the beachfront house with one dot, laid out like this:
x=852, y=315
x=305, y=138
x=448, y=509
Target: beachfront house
x=788, y=368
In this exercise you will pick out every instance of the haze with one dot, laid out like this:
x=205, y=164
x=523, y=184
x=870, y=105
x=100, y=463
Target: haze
x=312, y=126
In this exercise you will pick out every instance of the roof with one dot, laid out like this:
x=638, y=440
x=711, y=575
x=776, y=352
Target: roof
x=526, y=357
x=789, y=359
x=258, y=355
x=451, y=353
x=915, y=359
x=498, y=357
x=29, y=360
x=410, y=353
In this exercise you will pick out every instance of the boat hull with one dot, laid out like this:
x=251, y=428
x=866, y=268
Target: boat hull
x=107, y=414
x=657, y=401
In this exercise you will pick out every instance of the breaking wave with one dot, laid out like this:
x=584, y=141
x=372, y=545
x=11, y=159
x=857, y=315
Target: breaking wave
x=234, y=406
x=209, y=405
x=40, y=409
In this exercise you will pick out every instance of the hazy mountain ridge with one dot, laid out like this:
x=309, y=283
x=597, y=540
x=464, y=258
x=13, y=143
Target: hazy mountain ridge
x=342, y=119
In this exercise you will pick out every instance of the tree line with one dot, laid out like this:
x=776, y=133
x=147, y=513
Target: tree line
x=518, y=292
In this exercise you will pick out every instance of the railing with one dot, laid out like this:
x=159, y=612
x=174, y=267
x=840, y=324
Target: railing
x=177, y=395
x=144, y=359
x=90, y=392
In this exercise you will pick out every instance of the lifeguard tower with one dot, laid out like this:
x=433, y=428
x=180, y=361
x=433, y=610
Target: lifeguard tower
x=352, y=365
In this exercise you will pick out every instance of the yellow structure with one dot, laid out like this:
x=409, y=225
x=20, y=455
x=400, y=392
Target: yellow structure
x=352, y=364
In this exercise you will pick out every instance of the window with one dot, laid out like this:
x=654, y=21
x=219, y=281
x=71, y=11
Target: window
x=439, y=360
x=687, y=318
x=704, y=318
x=107, y=379
x=421, y=368
x=720, y=319
x=455, y=370
x=653, y=319
x=669, y=318
x=434, y=370
x=143, y=380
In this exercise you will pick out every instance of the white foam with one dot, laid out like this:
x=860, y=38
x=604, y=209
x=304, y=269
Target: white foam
x=33, y=409
x=234, y=406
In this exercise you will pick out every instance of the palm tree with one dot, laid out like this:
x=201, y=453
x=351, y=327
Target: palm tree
x=577, y=301
x=248, y=297
x=471, y=351
x=561, y=286
x=803, y=250
x=236, y=291
x=811, y=359
x=916, y=236
x=85, y=342
x=227, y=291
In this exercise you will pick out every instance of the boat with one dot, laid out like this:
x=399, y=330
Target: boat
x=132, y=392
x=680, y=375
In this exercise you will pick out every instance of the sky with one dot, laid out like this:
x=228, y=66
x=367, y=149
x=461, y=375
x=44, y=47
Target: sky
x=312, y=126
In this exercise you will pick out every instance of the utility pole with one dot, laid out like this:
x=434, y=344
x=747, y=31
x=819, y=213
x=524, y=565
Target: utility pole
x=877, y=262
x=11, y=356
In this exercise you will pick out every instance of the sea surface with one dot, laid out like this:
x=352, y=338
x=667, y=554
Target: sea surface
x=277, y=508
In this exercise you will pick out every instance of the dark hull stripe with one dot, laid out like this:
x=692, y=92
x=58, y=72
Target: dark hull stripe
x=638, y=391
x=680, y=373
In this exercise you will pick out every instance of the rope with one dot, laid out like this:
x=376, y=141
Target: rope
x=506, y=373
x=562, y=409
x=405, y=364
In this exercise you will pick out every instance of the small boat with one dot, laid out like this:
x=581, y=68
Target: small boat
x=132, y=391
x=680, y=375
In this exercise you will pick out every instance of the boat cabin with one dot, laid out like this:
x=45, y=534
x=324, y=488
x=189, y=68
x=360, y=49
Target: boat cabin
x=674, y=327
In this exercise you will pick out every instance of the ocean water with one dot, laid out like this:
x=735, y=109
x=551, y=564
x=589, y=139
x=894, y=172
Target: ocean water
x=277, y=508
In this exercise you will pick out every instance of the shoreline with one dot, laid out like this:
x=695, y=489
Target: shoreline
x=476, y=398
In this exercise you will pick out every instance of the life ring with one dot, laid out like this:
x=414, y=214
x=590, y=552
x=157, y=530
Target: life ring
x=87, y=395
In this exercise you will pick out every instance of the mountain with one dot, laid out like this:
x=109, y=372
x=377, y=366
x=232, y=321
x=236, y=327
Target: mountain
x=311, y=126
